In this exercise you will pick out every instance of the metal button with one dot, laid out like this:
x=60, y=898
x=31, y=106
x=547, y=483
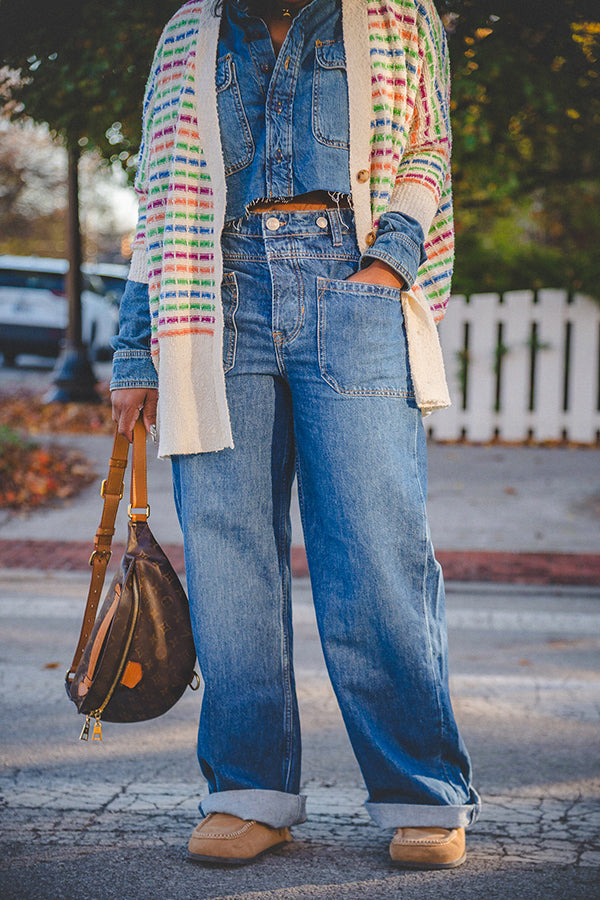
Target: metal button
x=362, y=175
x=322, y=222
x=370, y=238
x=273, y=223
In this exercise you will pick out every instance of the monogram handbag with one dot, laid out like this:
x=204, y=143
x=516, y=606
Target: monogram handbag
x=136, y=657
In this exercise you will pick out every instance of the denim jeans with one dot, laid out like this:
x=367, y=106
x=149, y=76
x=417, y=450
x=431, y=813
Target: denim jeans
x=318, y=385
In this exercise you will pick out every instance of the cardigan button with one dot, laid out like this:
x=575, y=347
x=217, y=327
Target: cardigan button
x=362, y=175
x=370, y=238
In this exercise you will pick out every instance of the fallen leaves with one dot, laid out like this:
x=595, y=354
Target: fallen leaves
x=32, y=476
x=26, y=411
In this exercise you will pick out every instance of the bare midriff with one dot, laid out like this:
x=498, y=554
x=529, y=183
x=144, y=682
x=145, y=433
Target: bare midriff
x=314, y=200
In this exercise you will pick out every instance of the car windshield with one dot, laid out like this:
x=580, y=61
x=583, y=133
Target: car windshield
x=114, y=285
x=48, y=281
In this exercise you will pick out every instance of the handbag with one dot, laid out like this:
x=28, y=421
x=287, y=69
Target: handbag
x=133, y=660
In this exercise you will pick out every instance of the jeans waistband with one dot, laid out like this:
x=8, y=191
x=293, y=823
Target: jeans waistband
x=280, y=223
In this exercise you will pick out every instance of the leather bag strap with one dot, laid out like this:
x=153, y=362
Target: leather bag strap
x=111, y=492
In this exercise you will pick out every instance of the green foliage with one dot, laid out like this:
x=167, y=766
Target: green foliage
x=526, y=123
x=549, y=241
x=9, y=438
x=526, y=97
x=83, y=67
x=482, y=268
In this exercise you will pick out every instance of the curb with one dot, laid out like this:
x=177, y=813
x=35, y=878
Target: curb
x=458, y=565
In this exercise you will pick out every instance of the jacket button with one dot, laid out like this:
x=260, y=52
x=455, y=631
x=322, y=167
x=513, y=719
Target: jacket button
x=370, y=238
x=362, y=175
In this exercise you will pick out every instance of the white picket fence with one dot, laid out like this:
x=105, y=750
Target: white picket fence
x=521, y=365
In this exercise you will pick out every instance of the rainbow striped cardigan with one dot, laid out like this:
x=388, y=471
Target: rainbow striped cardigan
x=398, y=86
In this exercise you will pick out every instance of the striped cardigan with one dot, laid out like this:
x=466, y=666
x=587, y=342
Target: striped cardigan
x=398, y=87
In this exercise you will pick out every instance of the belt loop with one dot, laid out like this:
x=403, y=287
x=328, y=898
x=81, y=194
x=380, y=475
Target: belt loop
x=335, y=224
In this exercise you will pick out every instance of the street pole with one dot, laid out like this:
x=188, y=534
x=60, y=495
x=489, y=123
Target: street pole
x=73, y=376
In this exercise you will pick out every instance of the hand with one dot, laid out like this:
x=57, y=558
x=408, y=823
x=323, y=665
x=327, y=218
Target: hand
x=379, y=272
x=127, y=403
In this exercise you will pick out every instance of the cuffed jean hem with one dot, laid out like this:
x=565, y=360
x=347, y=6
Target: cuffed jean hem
x=274, y=808
x=401, y=815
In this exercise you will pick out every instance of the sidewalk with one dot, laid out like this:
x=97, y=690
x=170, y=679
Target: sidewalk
x=502, y=514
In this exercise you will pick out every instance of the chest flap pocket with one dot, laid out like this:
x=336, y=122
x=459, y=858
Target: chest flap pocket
x=236, y=136
x=330, y=118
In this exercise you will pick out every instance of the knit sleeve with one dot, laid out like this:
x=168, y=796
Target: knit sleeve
x=138, y=270
x=424, y=167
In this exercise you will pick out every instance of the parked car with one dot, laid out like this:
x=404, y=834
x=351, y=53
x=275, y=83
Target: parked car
x=110, y=277
x=34, y=309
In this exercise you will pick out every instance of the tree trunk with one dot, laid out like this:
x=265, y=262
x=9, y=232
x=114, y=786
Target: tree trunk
x=73, y=376
x=74, y=333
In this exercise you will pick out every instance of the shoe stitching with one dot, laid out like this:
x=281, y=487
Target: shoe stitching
x=224, y=835
x=446, y=839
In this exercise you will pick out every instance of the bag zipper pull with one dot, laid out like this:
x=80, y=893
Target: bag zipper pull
x=97, y=732
x=85, y=731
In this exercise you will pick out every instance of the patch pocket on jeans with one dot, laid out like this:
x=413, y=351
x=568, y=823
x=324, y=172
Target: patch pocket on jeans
x=229, y=301
x=362, y=339
x=236, y=135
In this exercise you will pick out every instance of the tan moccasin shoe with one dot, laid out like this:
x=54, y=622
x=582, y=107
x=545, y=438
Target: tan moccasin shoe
x=428, y=848
x=229, y=840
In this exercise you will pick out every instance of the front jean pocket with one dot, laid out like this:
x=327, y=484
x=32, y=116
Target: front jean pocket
x=229, y=301
x=236, y=136
x=362, y=339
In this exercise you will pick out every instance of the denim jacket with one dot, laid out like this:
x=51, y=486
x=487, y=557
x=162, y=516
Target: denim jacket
x=265, y=105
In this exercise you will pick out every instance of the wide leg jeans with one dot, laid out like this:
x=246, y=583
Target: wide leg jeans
x=318, y=385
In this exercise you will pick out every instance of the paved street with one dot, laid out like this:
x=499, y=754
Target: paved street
x=111, y=820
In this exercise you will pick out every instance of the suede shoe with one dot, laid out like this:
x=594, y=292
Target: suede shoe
x=428, y=848
x=231, y=841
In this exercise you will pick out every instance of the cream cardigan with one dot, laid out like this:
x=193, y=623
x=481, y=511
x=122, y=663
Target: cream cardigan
x=398, y=86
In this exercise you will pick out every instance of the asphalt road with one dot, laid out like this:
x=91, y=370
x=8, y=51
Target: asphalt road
x=111, y=820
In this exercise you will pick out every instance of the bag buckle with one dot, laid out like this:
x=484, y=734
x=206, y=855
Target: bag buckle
x=134, y=511
x=95, y=553
x=103, y=490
